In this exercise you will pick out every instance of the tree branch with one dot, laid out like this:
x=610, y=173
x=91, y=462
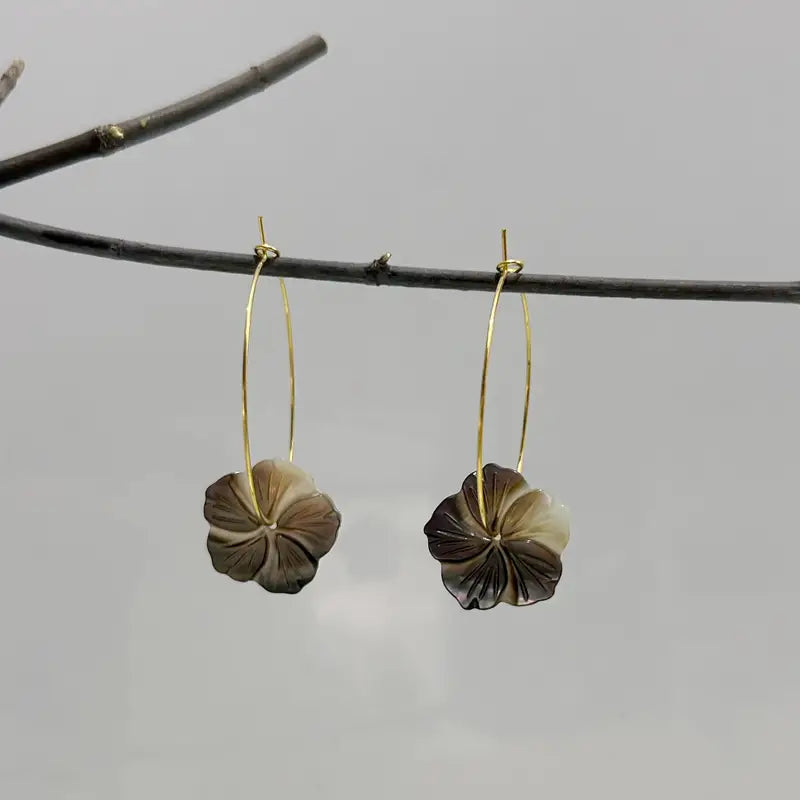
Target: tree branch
x=8, y=80
x=380, y=273
x=108, y=139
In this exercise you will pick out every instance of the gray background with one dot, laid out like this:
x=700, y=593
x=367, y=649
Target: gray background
x=619, y=138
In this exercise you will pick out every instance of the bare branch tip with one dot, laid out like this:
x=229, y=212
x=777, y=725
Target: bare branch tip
x=8, y=80
x=15, y=69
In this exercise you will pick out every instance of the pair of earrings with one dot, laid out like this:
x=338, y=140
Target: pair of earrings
x=497, y=539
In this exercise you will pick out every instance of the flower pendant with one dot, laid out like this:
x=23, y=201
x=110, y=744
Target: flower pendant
x=515, y=558
x=282, y=554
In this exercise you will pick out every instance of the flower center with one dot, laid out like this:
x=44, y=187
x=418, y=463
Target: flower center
x=496, y=538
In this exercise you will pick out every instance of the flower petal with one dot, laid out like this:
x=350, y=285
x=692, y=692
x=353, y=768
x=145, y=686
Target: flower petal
x=279, y=484
x=477, y=583
x=453, y=533
x=312, y=522
x=228, y=504
x=535, y=572
x=535, y=516
x=288, y=568
x=501, y=487
x=239, y=555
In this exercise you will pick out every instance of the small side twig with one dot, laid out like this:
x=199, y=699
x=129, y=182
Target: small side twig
x=107, y=139
x=8, y=80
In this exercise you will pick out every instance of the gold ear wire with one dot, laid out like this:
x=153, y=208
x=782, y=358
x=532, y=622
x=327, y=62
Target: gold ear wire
x=506, y=267
x=265, y=252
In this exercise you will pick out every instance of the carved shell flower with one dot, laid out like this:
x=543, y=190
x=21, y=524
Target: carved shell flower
x=516, y=558
x=283, y=555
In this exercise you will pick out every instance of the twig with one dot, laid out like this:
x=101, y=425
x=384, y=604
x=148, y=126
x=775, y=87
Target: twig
x=8, y=80
x=380, y=273
x=108, y=139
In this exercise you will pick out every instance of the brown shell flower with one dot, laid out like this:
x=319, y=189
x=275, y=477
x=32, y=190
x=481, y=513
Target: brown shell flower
x=283, y=555
x=516, y=558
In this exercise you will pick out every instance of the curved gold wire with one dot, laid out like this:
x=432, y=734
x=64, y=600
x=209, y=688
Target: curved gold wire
x=265, y=252
x=506, y=267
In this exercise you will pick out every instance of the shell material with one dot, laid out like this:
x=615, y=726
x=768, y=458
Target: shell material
x=283, y=555
x=515, y=558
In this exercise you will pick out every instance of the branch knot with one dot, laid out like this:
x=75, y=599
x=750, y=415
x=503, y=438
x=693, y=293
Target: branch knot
x=379, y=268
x=110, y=137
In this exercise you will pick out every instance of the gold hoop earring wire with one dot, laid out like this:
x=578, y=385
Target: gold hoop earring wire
x=506, y=267
x=265, y=252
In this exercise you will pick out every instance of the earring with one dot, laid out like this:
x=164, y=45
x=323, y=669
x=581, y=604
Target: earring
x=269, y=524
x=498, y=540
